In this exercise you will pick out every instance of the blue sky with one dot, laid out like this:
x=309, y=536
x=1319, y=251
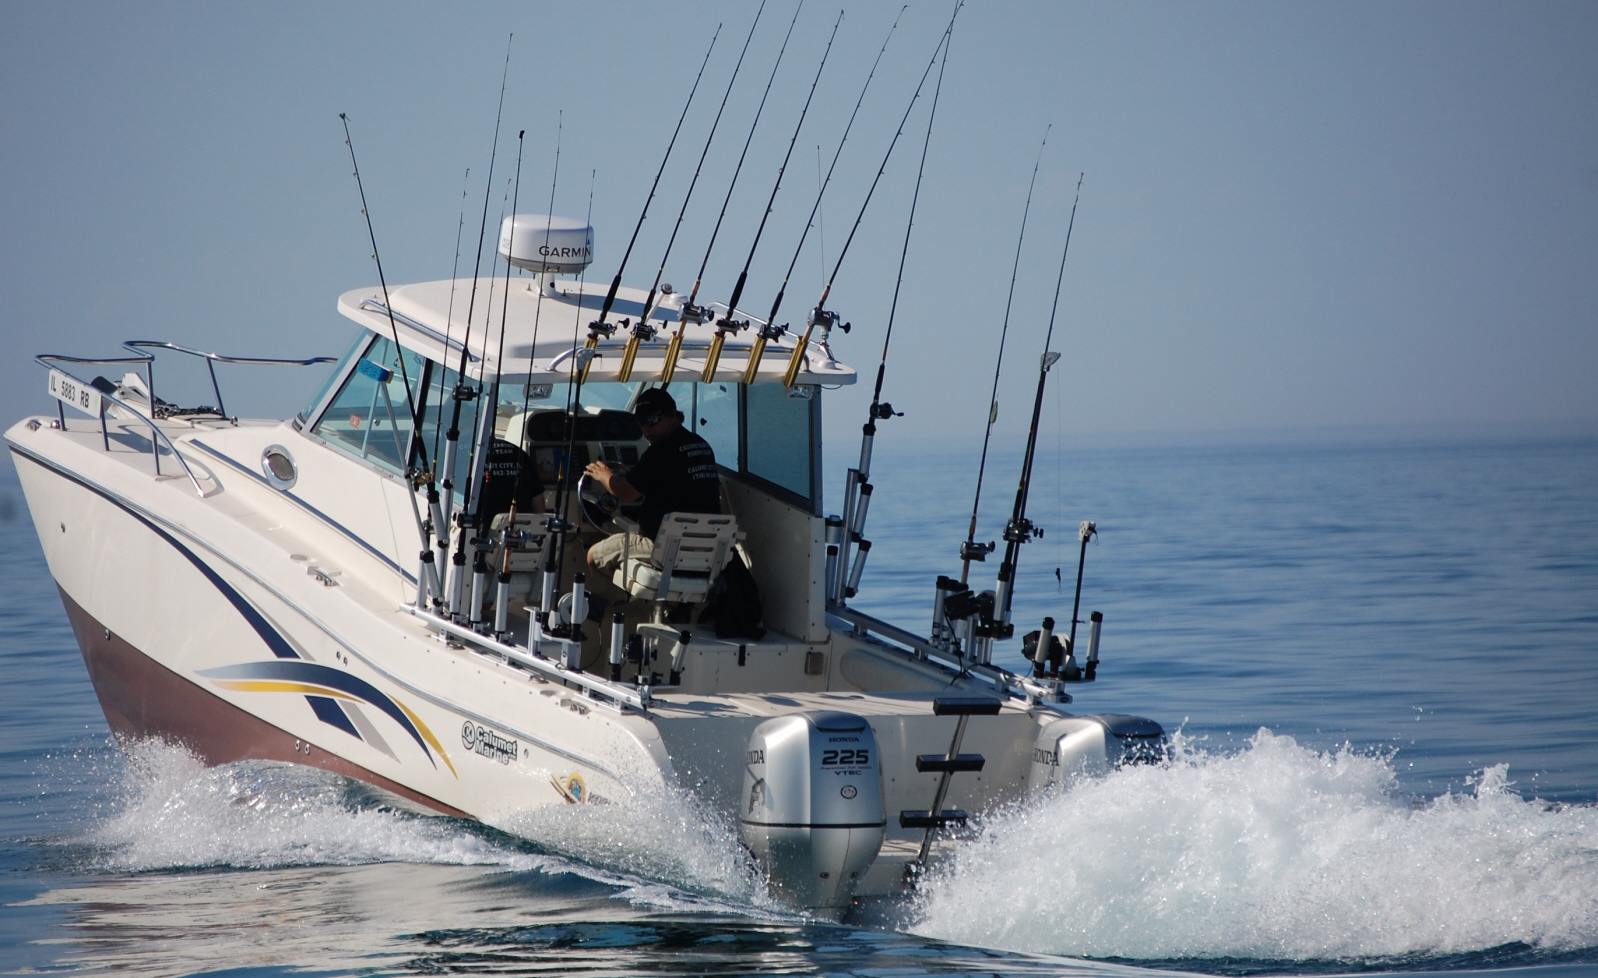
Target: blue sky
x=1295, y=217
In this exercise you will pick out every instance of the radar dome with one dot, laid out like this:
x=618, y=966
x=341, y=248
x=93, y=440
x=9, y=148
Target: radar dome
x=545, y=243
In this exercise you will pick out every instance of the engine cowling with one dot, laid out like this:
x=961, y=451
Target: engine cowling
x=812, y=805
x=1072, y=747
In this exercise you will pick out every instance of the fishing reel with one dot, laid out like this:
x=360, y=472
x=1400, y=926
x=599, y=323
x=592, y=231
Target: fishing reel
x=728, y=325
x=698, y=315
x=771, y=331
x=602, y=331
x=884, y=411
x=642, y=331
x=827, y=320
x=977, y=551
x=1021, y=530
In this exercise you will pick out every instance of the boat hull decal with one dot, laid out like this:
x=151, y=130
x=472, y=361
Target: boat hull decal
x=142, y=698
x=324, y=682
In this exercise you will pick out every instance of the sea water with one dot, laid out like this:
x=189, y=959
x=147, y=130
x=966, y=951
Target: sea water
x=1379, y=663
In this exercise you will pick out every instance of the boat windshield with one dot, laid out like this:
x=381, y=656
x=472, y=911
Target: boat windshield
x=765, y=433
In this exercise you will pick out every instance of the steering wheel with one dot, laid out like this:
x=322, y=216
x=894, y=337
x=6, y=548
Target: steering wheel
x=597, y=503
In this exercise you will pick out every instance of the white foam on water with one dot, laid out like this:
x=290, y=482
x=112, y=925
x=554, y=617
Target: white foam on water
x=174, y=812
x=663, y=835
x=1273, y=852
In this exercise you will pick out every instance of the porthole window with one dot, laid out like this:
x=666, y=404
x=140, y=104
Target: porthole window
x=278, y=466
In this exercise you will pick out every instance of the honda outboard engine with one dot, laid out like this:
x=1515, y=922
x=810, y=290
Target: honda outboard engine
x=812, y=805
x=1074, y=746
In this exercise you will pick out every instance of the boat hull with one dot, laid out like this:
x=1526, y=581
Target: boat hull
x=143, y=699
x=205, y=629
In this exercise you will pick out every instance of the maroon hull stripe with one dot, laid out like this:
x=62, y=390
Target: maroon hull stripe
x=142, y=698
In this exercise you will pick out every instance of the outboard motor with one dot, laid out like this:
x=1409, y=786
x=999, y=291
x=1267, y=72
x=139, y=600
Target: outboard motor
x=812, y=805
x=1071, y=747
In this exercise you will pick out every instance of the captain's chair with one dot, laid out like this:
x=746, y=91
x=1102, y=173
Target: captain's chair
x=690, y=551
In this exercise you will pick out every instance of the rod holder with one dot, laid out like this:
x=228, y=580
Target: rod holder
x=546, y=595
x=851, y=481
x=618, y=645
x=502, y=604
x=832, y=569
x=858, y=569
x=678, y=652
x=479, y=587
x=1095, y=622
x=457, y=582
x=942, y=631
x=1040, y=653
x=862, y=503
x=424, y=574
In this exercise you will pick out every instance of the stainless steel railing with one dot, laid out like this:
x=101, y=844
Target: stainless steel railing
x=105, y=391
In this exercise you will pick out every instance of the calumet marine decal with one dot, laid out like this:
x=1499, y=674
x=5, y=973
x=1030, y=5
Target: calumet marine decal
x=488, y=743
x=316, y=682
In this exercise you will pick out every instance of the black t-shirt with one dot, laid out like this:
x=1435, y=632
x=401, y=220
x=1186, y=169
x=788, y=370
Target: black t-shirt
x=676, y=475
x=505, y=462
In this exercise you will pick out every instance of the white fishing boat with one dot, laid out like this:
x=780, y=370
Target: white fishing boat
x=266, y=589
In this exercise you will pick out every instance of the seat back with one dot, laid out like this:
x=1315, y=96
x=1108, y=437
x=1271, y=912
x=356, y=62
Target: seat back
x=690, y=550
x=526, y=542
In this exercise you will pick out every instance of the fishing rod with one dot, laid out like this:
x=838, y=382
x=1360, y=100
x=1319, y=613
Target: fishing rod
x=510, y=532
x=463, y=391
x=642, y=331
x=820, y=316
x=1019, y=529
x=485, y=438
x=449, y=312
x=731, y=323
x=971, y=550
x=599, y=329
x=557, y=524
x=771, y=330
x=857, y=484
x=700, y=314
x=427, y=575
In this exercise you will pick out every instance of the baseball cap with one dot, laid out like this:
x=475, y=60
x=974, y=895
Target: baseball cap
x=654, y=403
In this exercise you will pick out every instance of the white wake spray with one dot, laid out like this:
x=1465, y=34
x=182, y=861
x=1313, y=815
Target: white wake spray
x=1275, y=852
x=173, y=812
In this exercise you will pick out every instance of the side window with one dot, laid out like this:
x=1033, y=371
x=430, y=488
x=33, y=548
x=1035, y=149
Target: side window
x=716, y=420
x=356, y=348
x=777, y=444
x=369, y=417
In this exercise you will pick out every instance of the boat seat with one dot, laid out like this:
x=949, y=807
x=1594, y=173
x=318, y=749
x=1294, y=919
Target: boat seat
x=690, y=551
x=526, y=543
